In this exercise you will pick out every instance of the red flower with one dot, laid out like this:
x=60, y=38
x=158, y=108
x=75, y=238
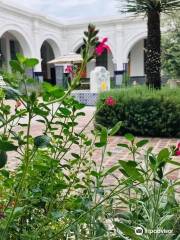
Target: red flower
x=178, y=150
x=18, y=104
x=102, y=46
x=110, y=101
x=69, y=69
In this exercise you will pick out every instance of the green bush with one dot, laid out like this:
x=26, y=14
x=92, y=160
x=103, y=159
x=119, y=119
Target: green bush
x=143, y=112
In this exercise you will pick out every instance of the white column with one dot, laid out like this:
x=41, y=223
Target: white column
x=8, y=53
x=37, y=47
x=119, y=47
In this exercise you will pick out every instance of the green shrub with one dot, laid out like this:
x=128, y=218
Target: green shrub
x=143, y=112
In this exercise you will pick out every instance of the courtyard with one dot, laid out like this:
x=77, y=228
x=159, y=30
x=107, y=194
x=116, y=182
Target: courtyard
x=89, y=120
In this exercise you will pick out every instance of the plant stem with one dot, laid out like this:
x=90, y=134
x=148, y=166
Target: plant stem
x=20, y=185
x=89, y=211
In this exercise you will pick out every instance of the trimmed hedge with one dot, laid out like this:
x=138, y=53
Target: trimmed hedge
x=143, y=112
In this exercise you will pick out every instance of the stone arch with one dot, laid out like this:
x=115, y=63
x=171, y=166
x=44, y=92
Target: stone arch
x=49, y=49
x=134, y=57
x=131, y=42
x=77, y=45
x=22, y=37
x=53, y=42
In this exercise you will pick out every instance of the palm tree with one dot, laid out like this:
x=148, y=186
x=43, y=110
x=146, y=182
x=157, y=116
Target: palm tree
x=153, y=10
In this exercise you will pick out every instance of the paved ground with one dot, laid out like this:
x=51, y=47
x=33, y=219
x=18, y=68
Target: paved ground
x=117, y=152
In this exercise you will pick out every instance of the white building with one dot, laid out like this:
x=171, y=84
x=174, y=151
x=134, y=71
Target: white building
x=37, y=36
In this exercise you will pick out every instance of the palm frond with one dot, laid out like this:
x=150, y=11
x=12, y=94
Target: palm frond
x=141, y=6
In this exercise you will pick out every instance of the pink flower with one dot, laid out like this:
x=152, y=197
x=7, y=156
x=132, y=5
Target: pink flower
x=178, y=150
x=110, y=101
x=69, y=69
x=102, y=46
x=178, y=153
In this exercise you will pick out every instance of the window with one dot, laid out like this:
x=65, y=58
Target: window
x=12, y=49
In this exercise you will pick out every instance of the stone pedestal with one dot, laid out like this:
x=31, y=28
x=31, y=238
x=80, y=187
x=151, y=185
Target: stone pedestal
x=172, y=83
x=99, y=80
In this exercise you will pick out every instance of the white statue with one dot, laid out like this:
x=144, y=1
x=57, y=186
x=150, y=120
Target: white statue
x=99, y=80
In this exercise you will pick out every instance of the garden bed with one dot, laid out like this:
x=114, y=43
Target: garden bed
x=143, y=112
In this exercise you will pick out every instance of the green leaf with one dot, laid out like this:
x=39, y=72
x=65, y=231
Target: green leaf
x=3, y=159
x=80, y=114
x=79, y=186
x=95, y=174
x=88, y=143
x=165, y=220
x=163, y=155
x=111, y=170
x=7, y=146
x=131, y=170
x=104, y=136
x=115, y=129
x=40, y=112
x=123, y=145
x=174, y=163
x=42, y=141
x=125, y=215
x=75, y=155
x=65, y=111
x=52, y=91
x=60, y=186
x=4, y=172
x=16, y=66
x=56, y=215
x=79, y=106
x=142, y=143
x=20, y=58
x=31, y=62
x=160, y=173
x=127, y=231
x=152, y=160
x=129, y=137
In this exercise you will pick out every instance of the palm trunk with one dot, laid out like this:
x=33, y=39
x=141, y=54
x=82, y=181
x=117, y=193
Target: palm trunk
x=153, y=61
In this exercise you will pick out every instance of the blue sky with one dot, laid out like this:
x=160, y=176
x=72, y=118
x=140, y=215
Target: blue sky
x=76, y=9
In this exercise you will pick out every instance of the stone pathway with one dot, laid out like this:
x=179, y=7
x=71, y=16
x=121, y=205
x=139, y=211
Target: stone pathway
x=118, y=153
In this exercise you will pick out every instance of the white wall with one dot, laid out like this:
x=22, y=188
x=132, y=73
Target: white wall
x=32, y=29
x=137, y=59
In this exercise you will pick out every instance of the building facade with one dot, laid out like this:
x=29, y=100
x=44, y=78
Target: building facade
x=44, y=38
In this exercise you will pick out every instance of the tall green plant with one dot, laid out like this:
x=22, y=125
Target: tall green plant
x=153, y=10
x=153, y=211
x=59, y=190
x=170, y=47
